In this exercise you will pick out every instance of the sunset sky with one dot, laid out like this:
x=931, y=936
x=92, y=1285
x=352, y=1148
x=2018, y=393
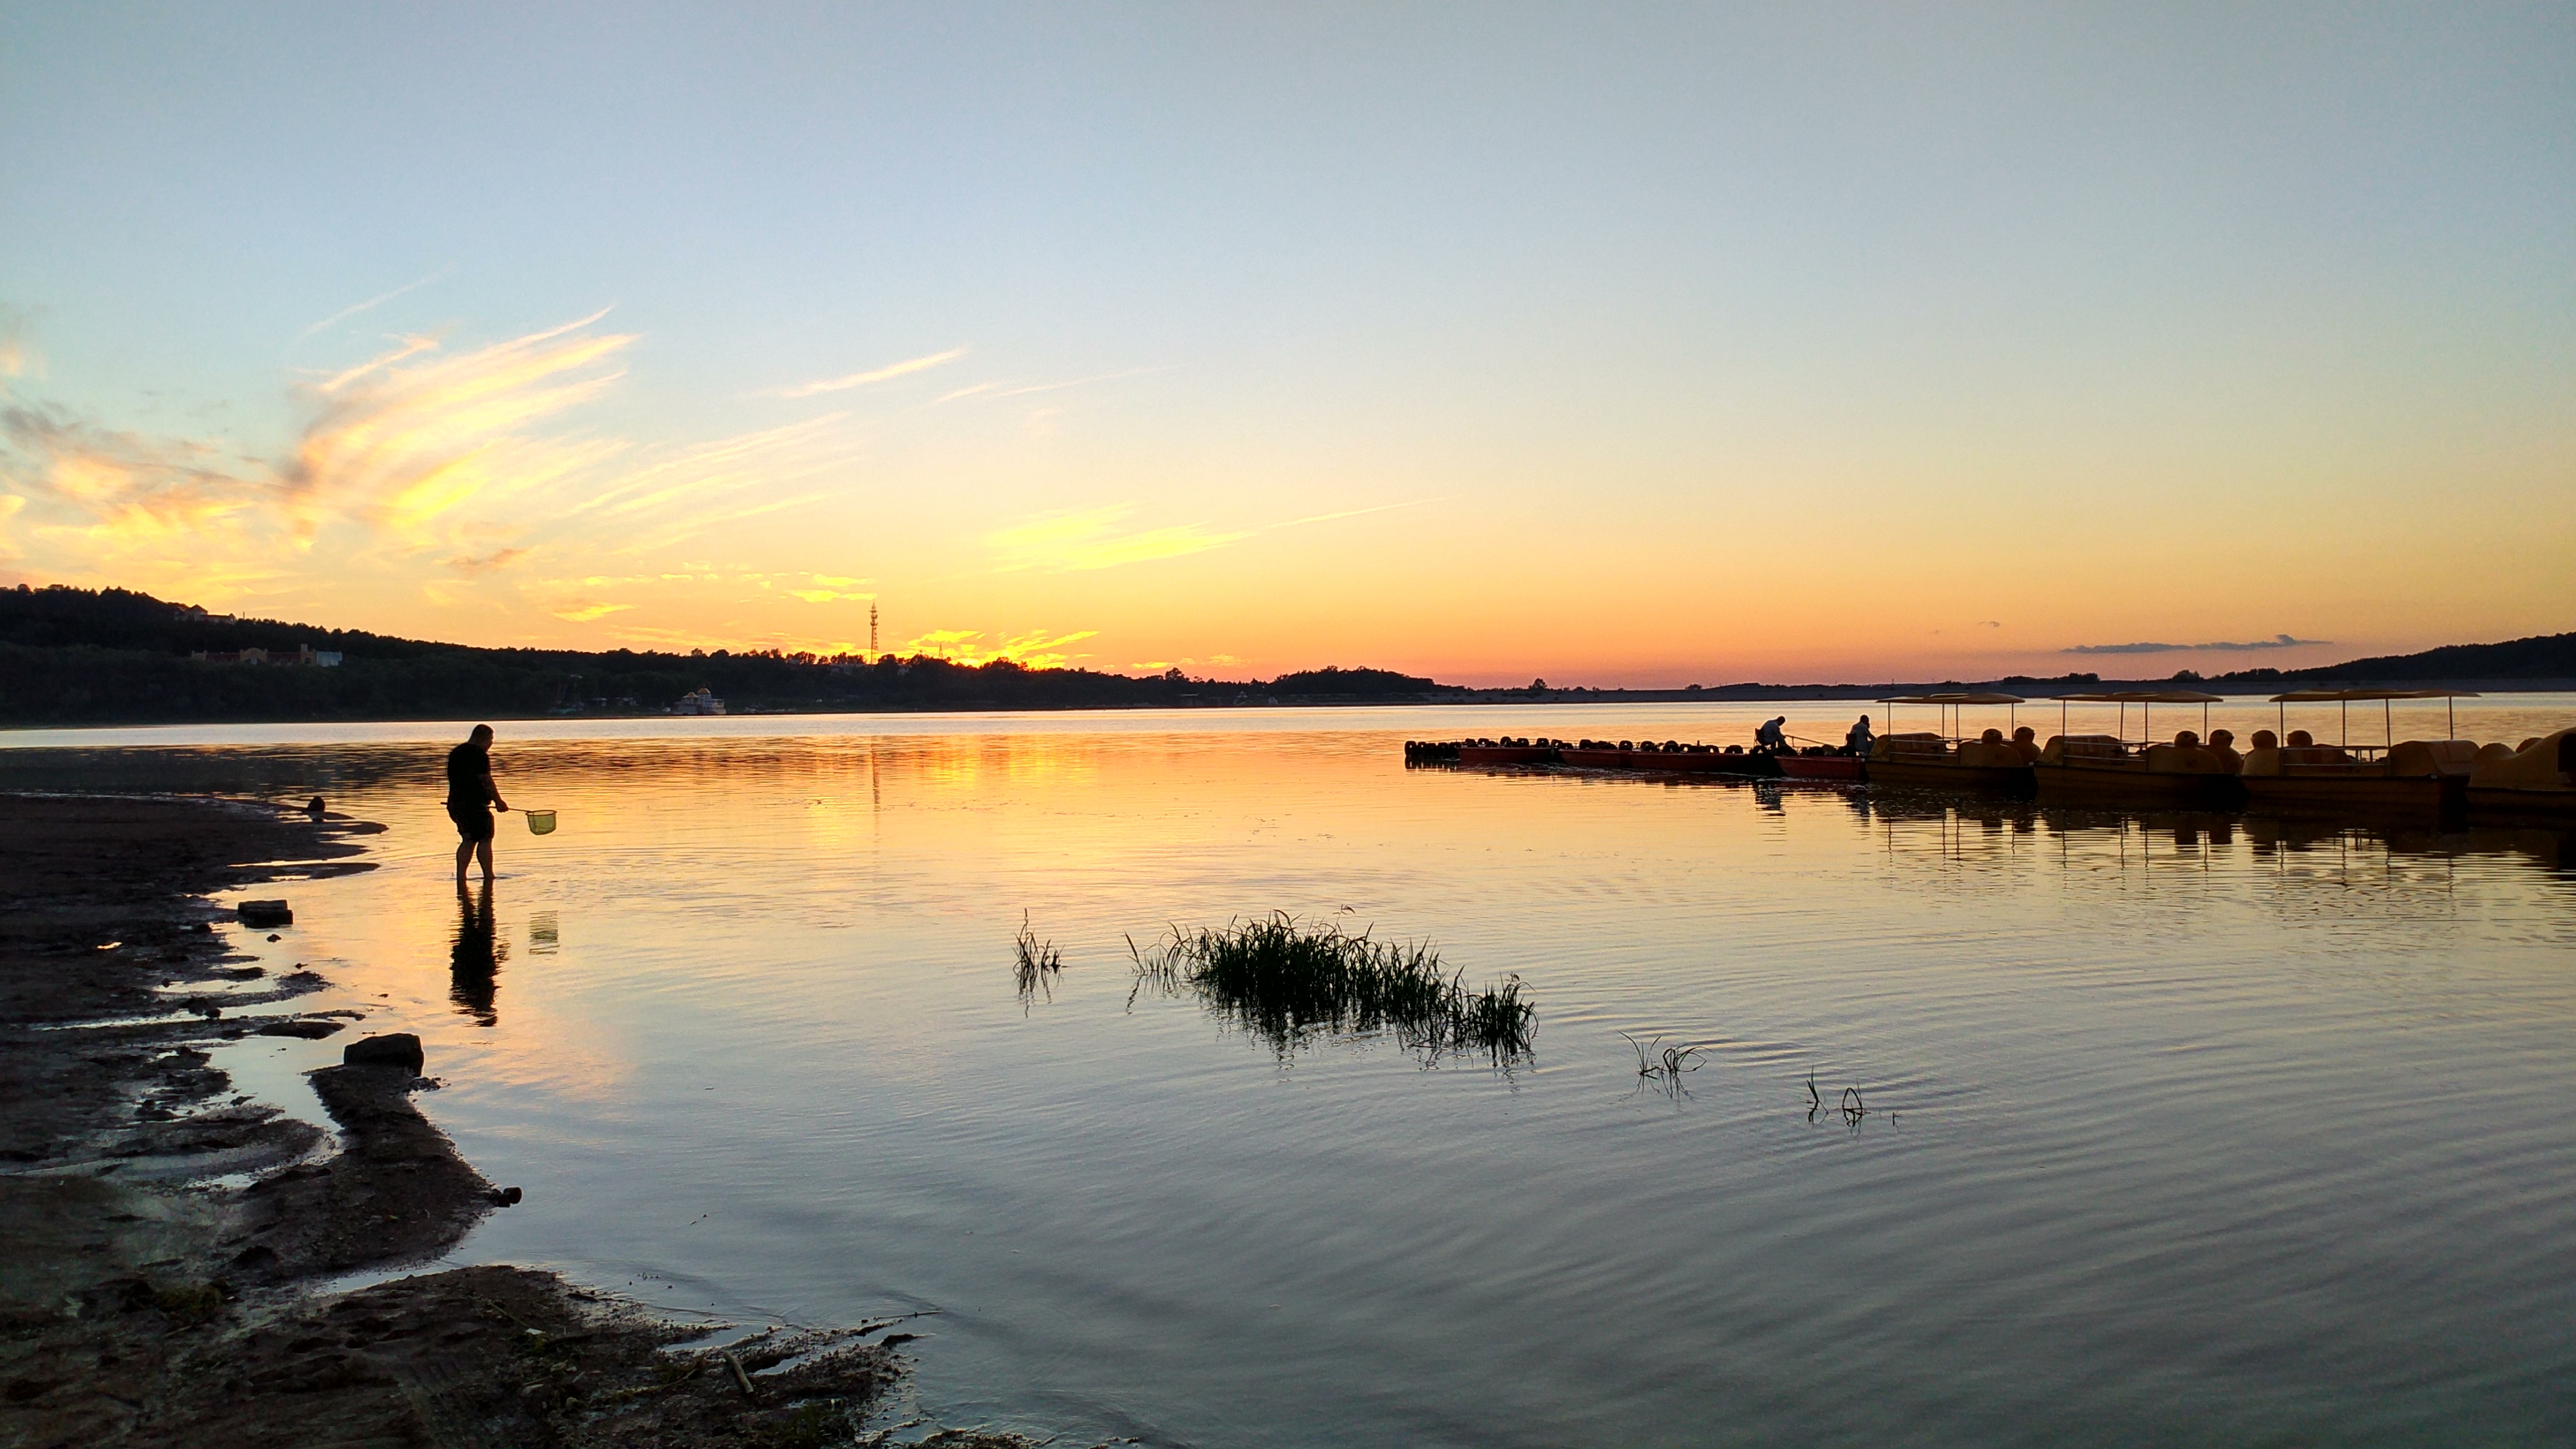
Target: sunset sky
x=1644, y=345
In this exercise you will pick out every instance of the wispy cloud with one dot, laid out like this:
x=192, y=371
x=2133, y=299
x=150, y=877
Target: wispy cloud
x=881, y=374
x=1075, y=382
x=1091, y=538
x=146, y=509
x=498, y=558
x=400, y=445
x=18, y=356
x=2277, y=641
x=579, y=612
x=1347, y=513
x=460, y=466
x=998, y=390
x=1038, y=649
x=369, y=305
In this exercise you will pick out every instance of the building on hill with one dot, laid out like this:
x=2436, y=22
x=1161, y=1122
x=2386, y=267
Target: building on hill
x=305, y=655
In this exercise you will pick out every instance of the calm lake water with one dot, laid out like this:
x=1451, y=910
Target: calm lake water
x=2204, y=1129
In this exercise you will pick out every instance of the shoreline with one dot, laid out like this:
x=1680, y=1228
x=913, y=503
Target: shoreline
x=2234, y=692
x=174, y=1245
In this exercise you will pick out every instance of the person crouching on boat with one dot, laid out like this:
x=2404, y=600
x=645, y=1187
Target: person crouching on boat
x=1858, y=739
x=1769, y=736
x=469, y=792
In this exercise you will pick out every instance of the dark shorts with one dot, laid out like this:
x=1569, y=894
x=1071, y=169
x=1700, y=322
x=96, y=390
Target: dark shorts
x=472, y=821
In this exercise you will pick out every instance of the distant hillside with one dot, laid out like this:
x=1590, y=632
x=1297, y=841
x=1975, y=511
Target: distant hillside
x=2543, y=656
x=81, y=656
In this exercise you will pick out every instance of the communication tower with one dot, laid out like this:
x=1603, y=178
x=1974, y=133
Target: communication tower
x=872, y=628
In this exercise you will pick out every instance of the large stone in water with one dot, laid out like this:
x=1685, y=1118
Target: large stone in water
x=394, y=1049
x=263, y=914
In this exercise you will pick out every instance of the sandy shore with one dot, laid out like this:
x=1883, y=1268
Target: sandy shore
x=169, y=1243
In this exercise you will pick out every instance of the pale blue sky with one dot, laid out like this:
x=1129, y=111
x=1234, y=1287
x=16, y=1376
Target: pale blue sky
x=1582, y=286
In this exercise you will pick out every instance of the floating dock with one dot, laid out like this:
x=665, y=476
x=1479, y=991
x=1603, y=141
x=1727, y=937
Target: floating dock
x=2283, y=773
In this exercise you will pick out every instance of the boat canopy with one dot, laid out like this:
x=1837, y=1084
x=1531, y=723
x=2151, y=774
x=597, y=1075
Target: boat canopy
x=1956, y=699
x=2330, y=696
x=2143, y=696
x=2344, y=698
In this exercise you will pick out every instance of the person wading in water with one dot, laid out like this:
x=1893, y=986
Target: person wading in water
x=469, y=791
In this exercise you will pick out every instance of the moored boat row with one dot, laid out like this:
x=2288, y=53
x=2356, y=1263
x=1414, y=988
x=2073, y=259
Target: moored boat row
x=2281, y=771
x=1671, y=756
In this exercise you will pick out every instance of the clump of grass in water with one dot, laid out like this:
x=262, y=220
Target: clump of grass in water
x=1289, y=983
x=1038, y=962
x=1666, y=1065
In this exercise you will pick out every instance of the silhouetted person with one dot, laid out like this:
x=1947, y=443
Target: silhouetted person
x=469, y=792
x=1856, y=741
x=1769, y=736
x=475, y=963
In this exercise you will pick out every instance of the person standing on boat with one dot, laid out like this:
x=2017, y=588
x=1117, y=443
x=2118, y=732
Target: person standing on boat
x=1770, y=737
x=469, y=791
x=1858, y=739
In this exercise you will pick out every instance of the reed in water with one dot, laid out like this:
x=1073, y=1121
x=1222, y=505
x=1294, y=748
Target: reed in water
x=1037, y=962
x=1289, y=982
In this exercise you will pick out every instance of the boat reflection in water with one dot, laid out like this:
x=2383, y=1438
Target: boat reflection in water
x=2371, y=847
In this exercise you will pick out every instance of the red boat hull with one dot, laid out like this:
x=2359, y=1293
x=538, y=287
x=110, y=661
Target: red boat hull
x=1848, y=768
x=1697, y=760
x=1596, y=759
x=1506, y=754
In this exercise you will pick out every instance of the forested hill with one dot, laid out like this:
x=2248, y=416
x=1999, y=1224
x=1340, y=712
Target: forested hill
x=2542, y=656
x=80, y=656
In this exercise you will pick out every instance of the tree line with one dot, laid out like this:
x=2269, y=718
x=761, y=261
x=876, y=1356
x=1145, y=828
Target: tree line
x=113, y=656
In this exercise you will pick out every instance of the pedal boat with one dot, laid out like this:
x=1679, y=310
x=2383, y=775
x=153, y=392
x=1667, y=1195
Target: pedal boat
x=1941, y=760
x=2110, y=770
x=2535, y=782
x=2290, y=772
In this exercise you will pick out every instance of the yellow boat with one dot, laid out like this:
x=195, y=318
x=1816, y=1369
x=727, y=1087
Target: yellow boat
x=1946, y=760
x=2190, y=773
x=2536, y=781
x=2290, y=771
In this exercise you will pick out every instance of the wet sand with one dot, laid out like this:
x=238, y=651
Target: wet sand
x=170, y=1243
